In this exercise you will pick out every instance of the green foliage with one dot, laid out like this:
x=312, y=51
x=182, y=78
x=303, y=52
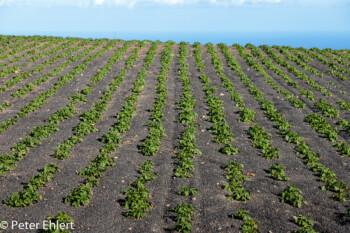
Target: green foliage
x=187, y=191
x=61, y=218
x=254, y=64
x=249, y=225
x=327, y=109
x=292, y=196
x=226, y=82
x=5, y=105
x=301, y=75
x=277, y=172
x=29, y=195
x=86, y=91
x=184, y=218
x=247, y=115
x=306, y=224
x=261, y=140
x=80, y=195
x=187, y=145
x=228, y=149
x=322, y=126
x=343, y=148
x=326, y=175
x=236, y=178
x=136, y=198
x=7, y=124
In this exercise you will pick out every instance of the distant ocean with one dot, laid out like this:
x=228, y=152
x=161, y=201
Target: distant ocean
x=334, y=40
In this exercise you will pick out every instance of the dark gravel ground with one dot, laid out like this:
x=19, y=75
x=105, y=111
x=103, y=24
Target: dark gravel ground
x=212, y=208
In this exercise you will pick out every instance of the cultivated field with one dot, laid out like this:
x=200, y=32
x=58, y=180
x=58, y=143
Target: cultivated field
x=141, y=136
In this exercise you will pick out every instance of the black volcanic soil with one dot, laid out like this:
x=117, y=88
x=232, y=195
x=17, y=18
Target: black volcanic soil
x=104, y=213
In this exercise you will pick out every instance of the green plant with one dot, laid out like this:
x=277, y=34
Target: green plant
x=247, y=115
x=277, y=172
x=62, y=219
x=292, y=195
x=261, y=140
x=236, y=178
x=229, y=149
x=187, y=191
x=343, y=148
x=249, y=225
x=306, y=224
x=184, y=218
x=29, y=194
x=327, y=109
x=80, y=195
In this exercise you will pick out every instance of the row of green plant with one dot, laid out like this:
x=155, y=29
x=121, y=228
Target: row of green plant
x=20, y=150
x=136, y=197
x=221, y=129
x=5, y=105
x=184, y=217
x=187, y=148
x=24, y=75
x=306, y=224
x=297, y=60
x=292, y=196
x=43, y=97
x=45, y=77
x=89, y=118
x=9, y=70
x=344, y=105
x=63, y=80
x=152, y=143
x=301, y=75
x=334, y=70
x=261, y=140
x=322, y=126
x=226, y=82
x=255, y=65
x=299, y=54
x=270, y=65
x=81, y=195
x=216, y=113
x=20, y=47
x=187, y=145
x=236, y=178
x=30, y=53
x=249, y=225
x=325, y=108
x=327, y=54
x=340, y=53
x=61, y=219
x=29, y=195
x=151, y=53
x=9, y=43
x=309, y=157
x=35, y=51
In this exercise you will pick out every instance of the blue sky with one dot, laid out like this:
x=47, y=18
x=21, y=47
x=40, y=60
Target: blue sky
x=76, y=17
